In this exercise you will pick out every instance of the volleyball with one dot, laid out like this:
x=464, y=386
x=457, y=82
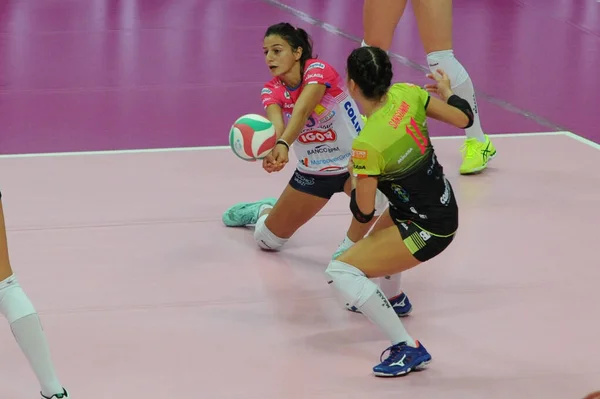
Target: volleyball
x=252, y=137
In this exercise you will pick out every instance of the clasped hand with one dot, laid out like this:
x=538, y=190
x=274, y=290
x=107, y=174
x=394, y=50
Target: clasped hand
x=276, y=159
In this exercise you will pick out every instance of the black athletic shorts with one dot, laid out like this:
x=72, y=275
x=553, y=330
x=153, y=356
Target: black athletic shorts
x=423, y=244
x=318, y=185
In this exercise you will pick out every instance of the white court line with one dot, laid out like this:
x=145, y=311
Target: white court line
x=582, y=140
x=226, y=147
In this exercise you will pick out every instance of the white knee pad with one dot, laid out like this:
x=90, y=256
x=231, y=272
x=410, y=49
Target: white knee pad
x=350, y=283
x=381, y=203
x=265, y=238
x=14, y=304
x=446, y=61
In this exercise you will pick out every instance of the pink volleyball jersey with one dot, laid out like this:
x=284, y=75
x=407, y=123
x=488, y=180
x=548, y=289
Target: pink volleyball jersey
x=325, y=144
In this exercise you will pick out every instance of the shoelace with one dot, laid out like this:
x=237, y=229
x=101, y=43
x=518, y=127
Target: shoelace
x=394, y=350
x=470, y=150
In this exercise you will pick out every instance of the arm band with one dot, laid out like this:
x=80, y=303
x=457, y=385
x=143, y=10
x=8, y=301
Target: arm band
x=358, y=215
x=464, y=106
x=282, y=141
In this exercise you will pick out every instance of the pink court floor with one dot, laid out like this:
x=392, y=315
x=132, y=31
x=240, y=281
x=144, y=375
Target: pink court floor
x=144, y=293
x=114, y=172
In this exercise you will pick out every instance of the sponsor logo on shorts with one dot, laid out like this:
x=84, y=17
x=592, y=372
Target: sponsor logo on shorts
x=303, y=180
x=400, y=192
x=445, y=198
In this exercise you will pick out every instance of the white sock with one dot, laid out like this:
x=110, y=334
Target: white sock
x=380, y=312
x=345, y=244
x=467, y=91
x=390, y=285
x=357, y=290
x=262, y=208
x=29, y=334
x=461, y=85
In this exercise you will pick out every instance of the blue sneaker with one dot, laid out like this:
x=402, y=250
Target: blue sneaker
x=402, y=360
x=400, y=303
x=245, y=213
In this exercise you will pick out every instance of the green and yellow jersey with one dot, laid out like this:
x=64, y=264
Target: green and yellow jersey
x=394, y=146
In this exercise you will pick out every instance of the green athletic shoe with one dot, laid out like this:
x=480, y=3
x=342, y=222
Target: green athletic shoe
x=245, y=213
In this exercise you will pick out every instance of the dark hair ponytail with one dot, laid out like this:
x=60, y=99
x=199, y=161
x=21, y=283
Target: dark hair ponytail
x=371, y=69
x=295, y=37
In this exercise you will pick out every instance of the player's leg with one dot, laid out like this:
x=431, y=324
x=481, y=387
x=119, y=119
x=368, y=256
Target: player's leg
x=25, y=323
x=379, y=254
x=434, y=20
x=358, y=230
x=276, y=220
x=380, y=18
x=390, y=285
x=385, y=252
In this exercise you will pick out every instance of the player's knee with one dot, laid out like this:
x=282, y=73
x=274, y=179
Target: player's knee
x=265, y=238
x=446, y=61
x=381, y=203
x=14, y=304
x=350, y=283
x=338, y=269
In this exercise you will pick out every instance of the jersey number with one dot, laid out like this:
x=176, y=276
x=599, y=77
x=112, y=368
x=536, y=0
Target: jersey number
x=417, y=135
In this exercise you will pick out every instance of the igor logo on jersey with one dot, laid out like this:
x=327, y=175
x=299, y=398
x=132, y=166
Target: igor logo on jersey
x=317, y=137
